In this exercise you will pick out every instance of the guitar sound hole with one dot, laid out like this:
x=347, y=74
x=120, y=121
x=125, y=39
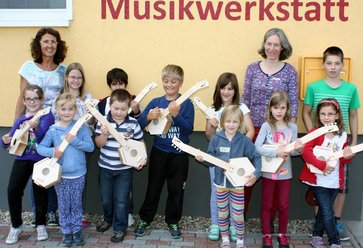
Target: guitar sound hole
x=268, y=159
x=45, y=172
x=321, y=158
x=156, y=121
x=133, y=153
x=241, y=172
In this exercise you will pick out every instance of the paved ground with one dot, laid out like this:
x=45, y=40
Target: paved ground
x=153, y=238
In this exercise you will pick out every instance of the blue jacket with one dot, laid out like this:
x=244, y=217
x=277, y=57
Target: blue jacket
x=73, y=160
x=240, y=146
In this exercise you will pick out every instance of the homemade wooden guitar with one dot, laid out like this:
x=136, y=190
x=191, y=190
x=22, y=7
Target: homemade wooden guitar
x=327, y=154
x=143, y=93
x=272, y=165
x=47, y=172
x=235, y=170
x=132, y=152
x=162, y=124
x=19, y=141
x=207, y=111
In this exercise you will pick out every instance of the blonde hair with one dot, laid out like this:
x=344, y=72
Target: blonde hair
x=174, y=71
x=276, y=99
x=65, y=98
x=78, y=67
x=232, y=110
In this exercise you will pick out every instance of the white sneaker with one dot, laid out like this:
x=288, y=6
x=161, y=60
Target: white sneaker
x=131, y=220
x=42, y=233
x=13, y=235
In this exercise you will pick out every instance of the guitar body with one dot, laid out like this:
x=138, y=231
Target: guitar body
x=271, y=165
x=321, y=153
x=47, y=172
x=238, y=170
x=160, y=125
x=134, y=154
x=18, y=143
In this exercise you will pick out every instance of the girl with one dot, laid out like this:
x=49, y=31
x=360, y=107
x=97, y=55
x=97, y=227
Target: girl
x=23, y=165
x=229, y=143
x=325, y=187
x=116, y=178
x=278, y=129
x=226, y=93
x=73, y=161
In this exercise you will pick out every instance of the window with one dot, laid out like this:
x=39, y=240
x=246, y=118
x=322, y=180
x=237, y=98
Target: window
x=35, y=13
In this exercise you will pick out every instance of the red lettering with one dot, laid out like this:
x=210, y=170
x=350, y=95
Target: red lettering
x=328, y=4
x=266, y=11
x=342, y=4
x=160, y=10
x=283, y=11
x=233, y=7
x=115, y=12
x=185, y=9
x=146, y=14
x=172, y=10
x=313, y=14
x=296, y=5
x=248, y=8
x=209, y=8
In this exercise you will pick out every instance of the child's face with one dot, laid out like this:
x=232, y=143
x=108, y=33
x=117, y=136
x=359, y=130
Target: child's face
x=66, y=112
x=279, y=111
x=227, y=94
x=232, y=124
x=273, y=47
x=333, y=66
x=75, y=79
x=171, y=86
x=119, y=110
x=328, y=115
x=32, y=101
x=117, y=85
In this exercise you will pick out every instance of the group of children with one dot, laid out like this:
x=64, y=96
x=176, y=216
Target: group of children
x=229, y=134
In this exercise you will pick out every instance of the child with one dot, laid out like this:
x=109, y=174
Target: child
x=325, y=187
x=347, y=96
x=229, y=143
x=23, y=165
x=116, y=178
x=118, y=79
x=166, y=163
x=226, y=93
x=278, y=129
x=73, y=161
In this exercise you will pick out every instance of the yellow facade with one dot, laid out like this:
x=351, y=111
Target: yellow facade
x=205, y=48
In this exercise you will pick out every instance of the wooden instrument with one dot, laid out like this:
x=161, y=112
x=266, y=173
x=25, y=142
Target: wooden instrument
x=207, y=111
x=310, y=198
x=272, y=165
x=143, y=93
x=47, y=172
x=235, y=170
x=19, y=141
x=162, y=124
x=132, y=152
x=327, y=154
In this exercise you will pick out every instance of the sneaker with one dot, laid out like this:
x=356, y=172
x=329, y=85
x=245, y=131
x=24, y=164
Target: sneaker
x=13, y=235
x=225, y=244
x=317, y=242
x=267, y=241
x=104, y=226
x=67, y=240
x=78, y=239
x=174, y=231
x=131, y=220
x=33, y=223
x=140, y=228
x=342, y=233
x=52, y=219
x=85, y=222
x=213, y=233
x=240, y=245
x=335, y=246
x=118, y=237
x=42, y=233
x=283, y=241
x=233, y=233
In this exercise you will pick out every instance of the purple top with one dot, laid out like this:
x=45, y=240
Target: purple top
x=35, y=136
x=259, y=87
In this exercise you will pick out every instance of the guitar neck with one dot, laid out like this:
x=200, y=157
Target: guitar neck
x=35, y=118
x=339, y=154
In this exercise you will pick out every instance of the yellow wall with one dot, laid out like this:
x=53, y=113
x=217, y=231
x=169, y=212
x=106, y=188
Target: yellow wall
x=204, y=48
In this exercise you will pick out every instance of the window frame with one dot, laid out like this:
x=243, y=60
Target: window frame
x=37, y=17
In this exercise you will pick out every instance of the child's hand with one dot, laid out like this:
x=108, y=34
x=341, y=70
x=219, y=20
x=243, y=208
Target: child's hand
x=251, y=179
x=328, y=169
x=174, y=108
x=347, y=153
x=58, y=153
x=104, y=130
x=6, y=139
x=135, y=106
x=280, y=152
x=69, y=137
x=33, y=124
x=143, y=163
x=298, y=145
x=214, y=123
x=199, y=158
x=154, y=114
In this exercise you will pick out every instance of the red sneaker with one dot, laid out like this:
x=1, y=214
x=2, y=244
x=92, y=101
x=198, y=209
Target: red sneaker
x=283, y=241
x=267, y=241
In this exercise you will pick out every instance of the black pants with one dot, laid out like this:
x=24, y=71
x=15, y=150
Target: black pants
x=174, y=169
x=19, y=176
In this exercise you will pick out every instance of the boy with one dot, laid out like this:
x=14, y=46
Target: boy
x=347, y=96
x=166, y=163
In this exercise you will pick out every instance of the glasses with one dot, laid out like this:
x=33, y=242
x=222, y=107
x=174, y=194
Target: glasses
x=29, y=100
x=48, y=42
x=75, y=78
x=327, y=114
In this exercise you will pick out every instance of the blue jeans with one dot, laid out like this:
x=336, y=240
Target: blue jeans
x=325, y=217
x=115, y=186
